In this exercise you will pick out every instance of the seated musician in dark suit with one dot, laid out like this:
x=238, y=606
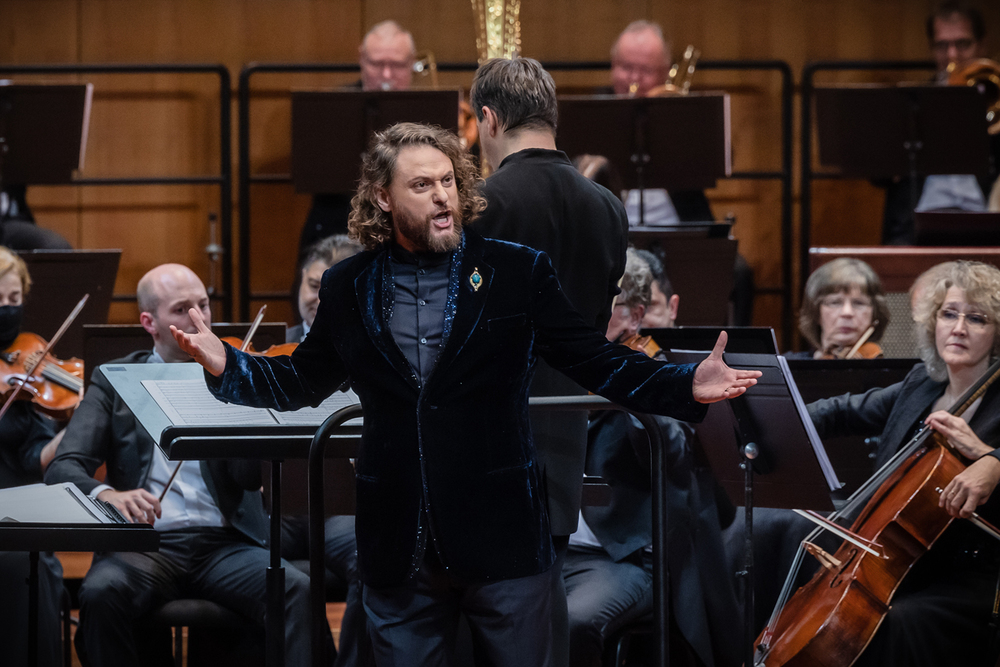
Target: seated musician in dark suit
x=608, y=568
x=28, y=441
x=843, y=304
x=321, y=256
x=341, y=546
x=942, y=613
x=438, y=330
x=213, y=526
x=386, y=57
x=956, y=34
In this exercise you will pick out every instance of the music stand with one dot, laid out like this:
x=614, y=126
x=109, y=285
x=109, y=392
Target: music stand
x=59, y=279
x=699, y=261
x=331, y=130
x=950, y=228
x=823, y=378
x=763, y=433
x=44, y=127
x=675, y=143
x=35, y=520
x=754, y=340
x=877, y=132
x=257, y=437
x=106, y=342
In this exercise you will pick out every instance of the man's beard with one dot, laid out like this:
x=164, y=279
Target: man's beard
x=419, y=234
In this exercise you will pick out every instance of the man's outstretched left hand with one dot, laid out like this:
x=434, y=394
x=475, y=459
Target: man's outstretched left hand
x=715, y=381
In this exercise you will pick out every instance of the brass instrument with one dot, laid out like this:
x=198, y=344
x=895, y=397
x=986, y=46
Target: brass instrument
x=424, y=64
x=679, y=78
x=982, y=73
x=498, y=28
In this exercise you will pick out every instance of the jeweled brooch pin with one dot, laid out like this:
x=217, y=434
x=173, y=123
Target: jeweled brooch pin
x=476, y=280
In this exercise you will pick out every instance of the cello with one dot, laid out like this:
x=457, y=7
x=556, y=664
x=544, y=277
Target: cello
x=830, y=620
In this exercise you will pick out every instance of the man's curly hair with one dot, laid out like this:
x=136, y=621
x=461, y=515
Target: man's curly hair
x=369, y=224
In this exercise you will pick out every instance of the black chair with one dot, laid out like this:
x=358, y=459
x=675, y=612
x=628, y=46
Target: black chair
x=221, y=626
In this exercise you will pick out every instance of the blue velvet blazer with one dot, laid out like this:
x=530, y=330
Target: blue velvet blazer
x=453, y=460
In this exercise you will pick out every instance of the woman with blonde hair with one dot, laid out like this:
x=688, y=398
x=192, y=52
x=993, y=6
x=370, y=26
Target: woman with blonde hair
x=941, y=613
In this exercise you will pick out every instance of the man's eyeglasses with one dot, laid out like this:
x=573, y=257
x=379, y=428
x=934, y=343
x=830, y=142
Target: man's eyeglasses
x=976, y=321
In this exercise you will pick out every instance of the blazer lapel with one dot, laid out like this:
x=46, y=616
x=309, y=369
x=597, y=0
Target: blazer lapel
x=468, y=289
x=375, y=289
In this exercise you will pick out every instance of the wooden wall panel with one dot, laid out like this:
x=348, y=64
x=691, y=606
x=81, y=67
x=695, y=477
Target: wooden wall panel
x=164, y=125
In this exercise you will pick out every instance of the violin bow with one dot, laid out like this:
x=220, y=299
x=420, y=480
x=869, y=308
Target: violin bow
x=861, y=341
x=243, y=348
x=55, y=339
x=253, y=328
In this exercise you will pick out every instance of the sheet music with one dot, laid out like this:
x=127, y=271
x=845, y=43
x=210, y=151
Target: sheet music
x=56, y=503
x=315, y=416
x=189, y=403
x=817, y=444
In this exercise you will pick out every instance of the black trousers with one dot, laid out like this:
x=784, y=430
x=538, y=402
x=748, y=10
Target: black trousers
x=217, y=564
x=416, y=623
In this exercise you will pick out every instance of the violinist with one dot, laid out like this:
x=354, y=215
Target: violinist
x=941, y=613
x=663, y=303
x=212, y=524
x=608, y=568
x=843, y=303
x=27, y=443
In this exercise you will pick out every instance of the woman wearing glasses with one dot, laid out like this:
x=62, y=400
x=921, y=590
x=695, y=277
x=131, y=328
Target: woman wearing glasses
x=941, y=613
x=844, y=312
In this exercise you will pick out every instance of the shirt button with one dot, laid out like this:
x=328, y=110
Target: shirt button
x=421, y=302
x=420, y=272
x=423, y=341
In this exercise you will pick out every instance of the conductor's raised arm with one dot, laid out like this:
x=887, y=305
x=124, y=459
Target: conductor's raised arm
x=203, y=346
x=715, y=381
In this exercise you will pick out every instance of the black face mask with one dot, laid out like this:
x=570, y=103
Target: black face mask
x=10, y=324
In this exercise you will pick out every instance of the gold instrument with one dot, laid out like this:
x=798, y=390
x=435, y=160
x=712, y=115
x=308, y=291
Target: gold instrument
x=982, y=73
x=681, y=73
x=498, y=28
x=424, y=64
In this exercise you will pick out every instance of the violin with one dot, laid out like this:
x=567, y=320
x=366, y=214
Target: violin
x=863, y=349
x=832, y=619
x=53, y=385
x=280, y=350
x=866, y=351
x=644, y=344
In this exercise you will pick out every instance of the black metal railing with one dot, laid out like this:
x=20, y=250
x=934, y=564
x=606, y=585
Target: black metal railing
x=224, y=178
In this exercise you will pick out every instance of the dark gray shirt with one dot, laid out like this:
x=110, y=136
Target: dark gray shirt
x=421, y=291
